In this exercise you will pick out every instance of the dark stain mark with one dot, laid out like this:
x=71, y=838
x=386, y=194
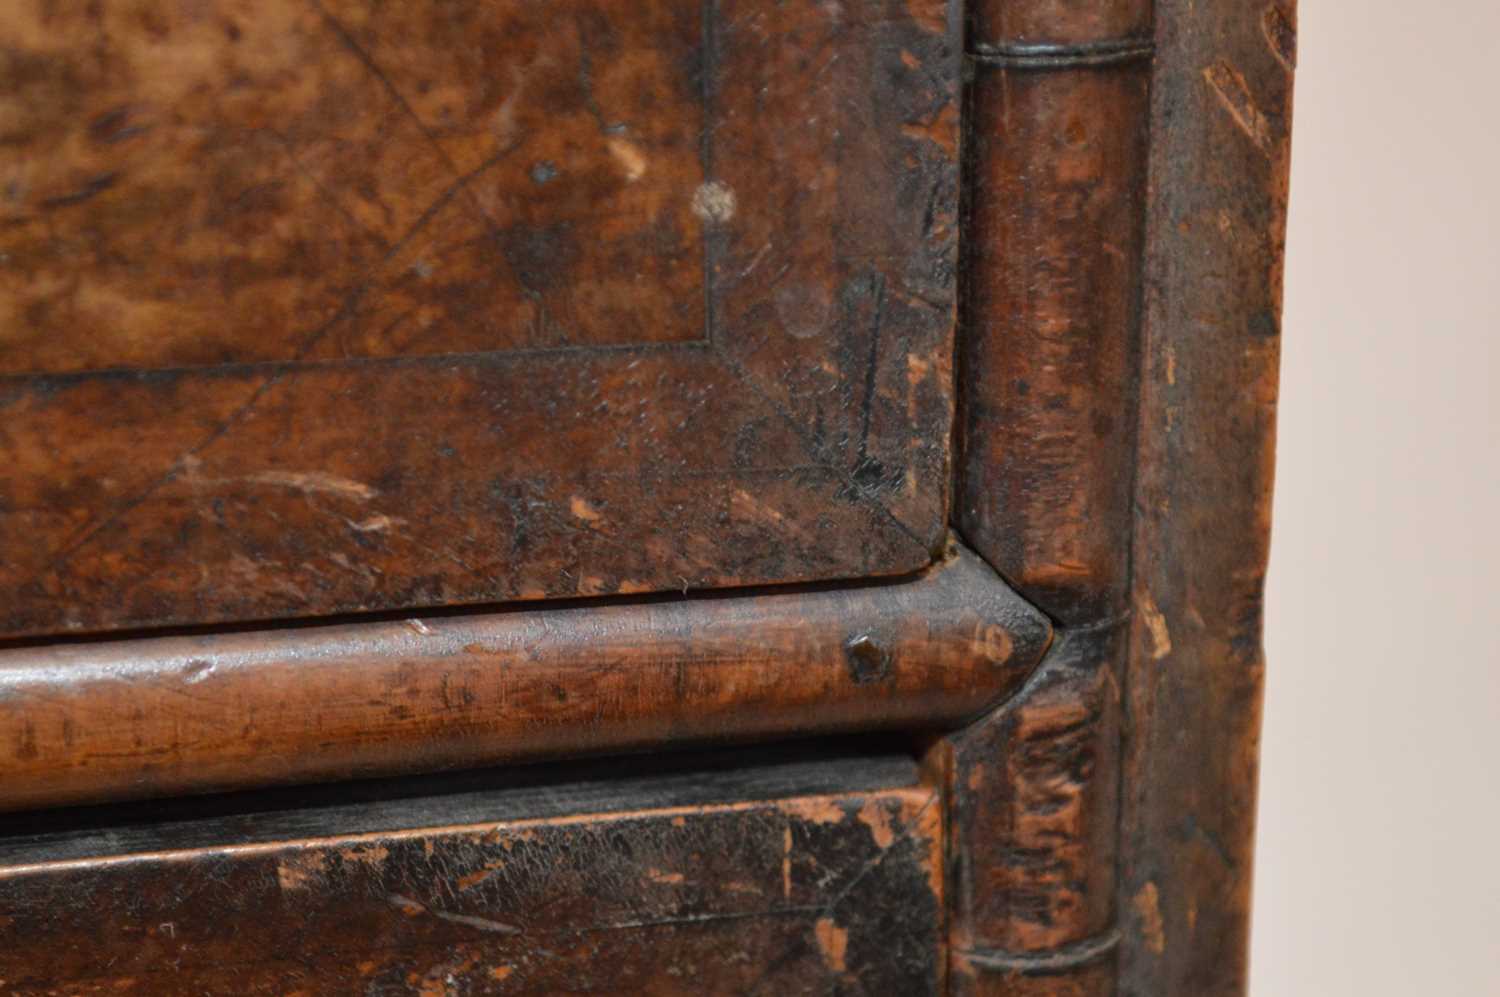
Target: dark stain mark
x=874, y=287
x=594, y=30
x=872, y=475
x=455, y=696
x=26, y=742
x=90, y=189
x=115, y=126
x=868, y=661
x=849, y=489
x=1265, y=324
x=543, y=172
x=541, y=258
x=1190, y=827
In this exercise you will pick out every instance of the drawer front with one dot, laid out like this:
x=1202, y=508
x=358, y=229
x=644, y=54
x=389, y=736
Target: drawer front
x=317, y=308
x=836, y=891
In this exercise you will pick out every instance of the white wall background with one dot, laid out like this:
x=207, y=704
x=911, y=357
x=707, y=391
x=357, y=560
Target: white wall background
x=1378, y=862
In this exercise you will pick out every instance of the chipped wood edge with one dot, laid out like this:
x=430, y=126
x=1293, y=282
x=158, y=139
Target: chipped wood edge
x=464, y=878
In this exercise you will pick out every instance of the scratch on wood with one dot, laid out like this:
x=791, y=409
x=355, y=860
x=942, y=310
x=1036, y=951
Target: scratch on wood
x=375, y=524
x=307, y=482
x=373, y=68
x=478, y=876
x=315, y=482
x=872, y=365
x=817, y=454
x=1281, y=36
x=412, y=907
x=89, y=190
x=1229, y=85
x=748, y=507
x=184, y=463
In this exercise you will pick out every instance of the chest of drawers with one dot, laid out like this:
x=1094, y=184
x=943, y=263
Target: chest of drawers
x=689, y=496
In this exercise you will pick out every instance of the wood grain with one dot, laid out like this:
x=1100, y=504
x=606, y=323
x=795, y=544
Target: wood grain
x=320, y=308
x=1033, y=805
x=1058, y=128
x=1057, y=188
x=227, y=172
x=809, y=894
x=313, y=308
x=1220, y=114
x=90, y=722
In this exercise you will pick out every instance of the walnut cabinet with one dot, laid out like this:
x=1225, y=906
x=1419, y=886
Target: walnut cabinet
x=664, y=497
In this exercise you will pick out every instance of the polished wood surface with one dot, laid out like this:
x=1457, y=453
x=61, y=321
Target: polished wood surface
x=119, y=719
x=399, y=320
x=1033, y=814
x=311, y=308
x=1058, y=135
